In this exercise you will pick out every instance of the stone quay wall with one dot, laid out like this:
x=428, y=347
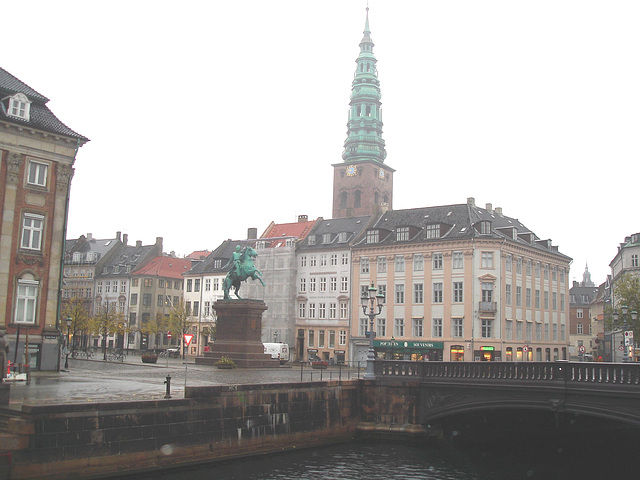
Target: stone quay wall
x=211, y=423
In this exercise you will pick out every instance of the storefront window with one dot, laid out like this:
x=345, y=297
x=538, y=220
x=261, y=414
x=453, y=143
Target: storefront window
x=457, y=353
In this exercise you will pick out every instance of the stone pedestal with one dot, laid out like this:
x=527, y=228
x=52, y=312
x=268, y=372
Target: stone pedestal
x=239, y=335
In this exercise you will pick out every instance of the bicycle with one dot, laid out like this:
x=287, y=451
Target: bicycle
x=116, y=356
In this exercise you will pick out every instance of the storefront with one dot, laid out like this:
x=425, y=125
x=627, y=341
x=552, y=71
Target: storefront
x=415, y=351
x=487, y=354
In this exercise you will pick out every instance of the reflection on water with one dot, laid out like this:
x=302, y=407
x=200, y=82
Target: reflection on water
x=583, y=459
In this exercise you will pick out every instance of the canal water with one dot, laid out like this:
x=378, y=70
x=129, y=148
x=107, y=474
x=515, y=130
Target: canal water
x=391, y=460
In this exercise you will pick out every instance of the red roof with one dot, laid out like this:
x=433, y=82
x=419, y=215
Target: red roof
x=297, y=230
x=167, y=267
x=198, y=255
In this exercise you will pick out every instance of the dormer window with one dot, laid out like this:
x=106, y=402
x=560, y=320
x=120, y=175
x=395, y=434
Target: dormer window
x=433, y=230
x=19, y=106
x=342, y=237
x=311, y=240
x=402, y=234
x=373, y=236
x=326, y=238
x=485, y=227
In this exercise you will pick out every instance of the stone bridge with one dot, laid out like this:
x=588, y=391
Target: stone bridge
x=420, y=393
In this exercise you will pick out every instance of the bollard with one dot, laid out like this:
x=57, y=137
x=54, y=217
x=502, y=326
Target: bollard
x=168, y=384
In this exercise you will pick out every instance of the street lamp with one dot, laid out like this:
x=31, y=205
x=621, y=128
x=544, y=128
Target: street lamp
x=275, y=336
x=628, y=334
x=371, y=306
x=66, y=360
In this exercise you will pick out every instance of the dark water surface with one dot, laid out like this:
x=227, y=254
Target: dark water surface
x=396, y=460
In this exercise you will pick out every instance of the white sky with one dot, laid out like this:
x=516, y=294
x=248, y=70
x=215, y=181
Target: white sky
x=531, y=106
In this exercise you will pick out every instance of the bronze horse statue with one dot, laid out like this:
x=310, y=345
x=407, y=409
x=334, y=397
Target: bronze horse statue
x=242, y=268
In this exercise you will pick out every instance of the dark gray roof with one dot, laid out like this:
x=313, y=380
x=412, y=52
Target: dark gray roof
x=40, y=117
x=217, y=260
x=351, y=226
x=457, y=222
x=84, y=246
x=131, y=256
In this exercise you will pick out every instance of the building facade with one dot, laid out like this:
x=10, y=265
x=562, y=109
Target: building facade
x=583, y=323
x=324, y=289
x=37, y=153
x=461, y=283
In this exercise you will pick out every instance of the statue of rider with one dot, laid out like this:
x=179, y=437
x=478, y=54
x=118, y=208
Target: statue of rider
x=235, y=261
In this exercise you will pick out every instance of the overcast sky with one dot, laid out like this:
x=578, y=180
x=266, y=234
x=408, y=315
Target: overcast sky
x=209, y=117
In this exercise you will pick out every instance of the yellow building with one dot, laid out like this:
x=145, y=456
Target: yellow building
x=461, y=283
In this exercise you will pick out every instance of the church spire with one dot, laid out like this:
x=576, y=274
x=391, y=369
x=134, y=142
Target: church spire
x=364, y=127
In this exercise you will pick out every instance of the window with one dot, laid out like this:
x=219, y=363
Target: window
x=518, y=296
x=344, y=259
x=333, y=284
x=332, y=339
x=320, y=338
x=342, y=337
x=160, y=300
x=518, y=330
x=311, y=240
x=537, y=298
x=437, y=292
x=196, y=285
x=148, y=282
x=634, y=260
x=437, y=261
x=508, y=329
x=457, y=328
x=507, y=294
x=485, y=227
x=312, y=310
x=417, y=327
x=313, y=261
x=32, y=227
x=436, y=327
x=458, y=292
x=546, y=300
x=528, y=297
x=399, y=263
x=528, y=267
x=312, y=284
x=402, y=234
x=37, y=174
x=364, y=265
x=487, y=292
x=196, y=307
x=487, y=328
x=562, y=301
x=382, y=264
x=457, y=260
x=507, y=263
x=399, y=292
x=26, y=300
x=303, y=285
x=207, y=309
x=381, y=330
x=373, y=236
x=580, y=329
x=189, y=284
x=334, y=259
x=327, y=237
x=207, y=285
x=418, y=263
x=344, y=284
x=323, y=284
x=518, y=265
x=433, y=231
x=146, y=300
x=332, y=310
x=302, y=310
x=311, y=341
x=303, y=261
x=322, y=310
x=487, y=260
x=579, y=313
x=343, y=310
x=362, y=327
x=398, y=327
x=19, y=106
x=323, y=260
x=554, y=301
x=382, y=290
x=418, y=293
x=216, y=284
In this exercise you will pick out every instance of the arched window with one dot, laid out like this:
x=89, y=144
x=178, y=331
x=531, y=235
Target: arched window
x=343, y=200
x=357, y=199
x=26, y=299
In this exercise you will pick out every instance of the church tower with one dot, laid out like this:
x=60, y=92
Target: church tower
x=363, y=183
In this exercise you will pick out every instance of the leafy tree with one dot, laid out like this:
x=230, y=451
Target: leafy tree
x=179, y=322
x=155, y=325
x=106, y=321
x=77, y=310
x=626, y=291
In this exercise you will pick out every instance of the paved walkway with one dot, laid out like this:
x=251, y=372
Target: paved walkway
x=100, y=381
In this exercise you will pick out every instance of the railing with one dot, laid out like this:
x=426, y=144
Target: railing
x=569, y=372
x=487, y=307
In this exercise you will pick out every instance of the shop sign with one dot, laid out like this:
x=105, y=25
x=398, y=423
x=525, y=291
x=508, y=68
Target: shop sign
x=339, y=352
x=312, y=350
x=415, y=345
x=488, y=349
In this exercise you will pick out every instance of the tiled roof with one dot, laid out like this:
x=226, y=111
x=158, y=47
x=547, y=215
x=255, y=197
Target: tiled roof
x=298, y=230
x=457, y=222
x=218, y=259
x=166, y=267
x=40, y=117
x=198, y=255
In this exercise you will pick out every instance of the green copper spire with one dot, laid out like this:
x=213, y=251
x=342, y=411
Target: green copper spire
x=364, y=129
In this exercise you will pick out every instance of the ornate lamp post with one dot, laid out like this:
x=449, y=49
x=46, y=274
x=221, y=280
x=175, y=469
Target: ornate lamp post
x=371, y=306
x=66, y=360
x=628, y=334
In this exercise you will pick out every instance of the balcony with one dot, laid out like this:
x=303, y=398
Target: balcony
x=487, y=307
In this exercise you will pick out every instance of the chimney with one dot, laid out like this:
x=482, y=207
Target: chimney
x=252, y=233
x=159, y=245
x=138, y=243
x=384, y=207
x=303, y=218
x=89, y=237
x=499, y=211
x=125, y=239
x=489, y=207
x=471, y=201
x=118, y=235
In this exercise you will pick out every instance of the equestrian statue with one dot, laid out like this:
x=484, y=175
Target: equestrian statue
x=241, y=268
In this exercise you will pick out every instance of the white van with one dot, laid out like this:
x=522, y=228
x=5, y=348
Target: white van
x=277, y=350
